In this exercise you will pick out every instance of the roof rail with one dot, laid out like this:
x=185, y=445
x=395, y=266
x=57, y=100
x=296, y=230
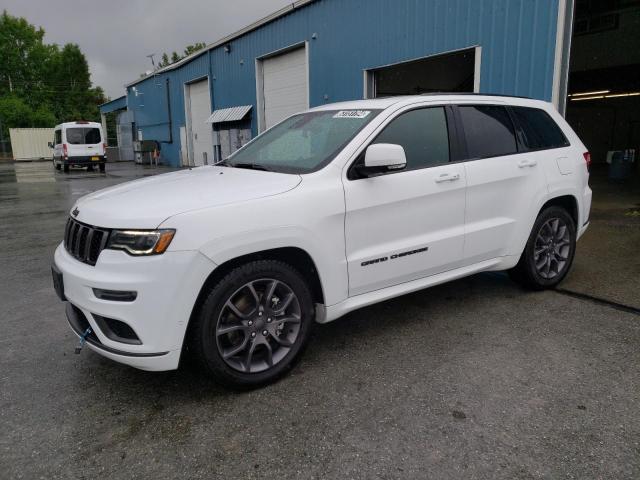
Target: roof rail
x=476, y=93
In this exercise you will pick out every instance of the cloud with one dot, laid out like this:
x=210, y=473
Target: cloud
x=116, y=36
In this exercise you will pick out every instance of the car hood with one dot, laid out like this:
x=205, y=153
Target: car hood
x=146, y=203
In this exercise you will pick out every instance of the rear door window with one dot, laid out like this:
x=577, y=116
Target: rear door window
x=58, y=137
x=539, y=131
x=83, y=135
x=488, y=131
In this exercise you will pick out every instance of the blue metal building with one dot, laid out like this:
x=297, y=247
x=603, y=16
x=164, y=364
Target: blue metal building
x=319, y=51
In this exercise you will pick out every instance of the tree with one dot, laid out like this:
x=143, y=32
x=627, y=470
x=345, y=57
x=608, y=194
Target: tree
x=22, y=53
x=42, y=84
x=164, y=61
x=194, y=48
x=176, y=57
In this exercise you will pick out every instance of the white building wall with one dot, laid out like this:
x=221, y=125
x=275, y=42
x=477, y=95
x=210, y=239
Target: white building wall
x=31, y=143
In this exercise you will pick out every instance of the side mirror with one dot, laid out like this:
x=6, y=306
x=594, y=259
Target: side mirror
x=384, y=157
x=50, y=144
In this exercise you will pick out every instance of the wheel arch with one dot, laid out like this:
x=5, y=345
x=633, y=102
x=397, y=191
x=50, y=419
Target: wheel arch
x=568, y=202
x=294, y=256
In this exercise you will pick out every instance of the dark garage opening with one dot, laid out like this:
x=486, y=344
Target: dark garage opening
x=452, y=72
x=603, y=106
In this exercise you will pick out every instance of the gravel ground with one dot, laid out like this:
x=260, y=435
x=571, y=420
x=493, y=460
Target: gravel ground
x=473, y=379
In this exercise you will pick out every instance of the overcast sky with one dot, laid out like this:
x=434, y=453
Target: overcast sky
x=116, y=35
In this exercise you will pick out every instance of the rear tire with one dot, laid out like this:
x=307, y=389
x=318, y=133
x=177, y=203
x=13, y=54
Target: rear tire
x=66, y=168
x=102, y=167
x=548, y=254
x=90, y=168
x=253, y=325
x=57, y=166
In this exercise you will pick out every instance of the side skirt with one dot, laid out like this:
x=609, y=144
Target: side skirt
x=325, y=314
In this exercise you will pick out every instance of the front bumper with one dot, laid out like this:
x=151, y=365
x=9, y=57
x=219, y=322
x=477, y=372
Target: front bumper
x=167, y=287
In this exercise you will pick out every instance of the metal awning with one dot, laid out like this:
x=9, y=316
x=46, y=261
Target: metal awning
x=232, y=114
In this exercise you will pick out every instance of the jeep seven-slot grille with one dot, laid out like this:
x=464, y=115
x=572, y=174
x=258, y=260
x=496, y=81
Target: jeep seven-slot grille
x=84, y=242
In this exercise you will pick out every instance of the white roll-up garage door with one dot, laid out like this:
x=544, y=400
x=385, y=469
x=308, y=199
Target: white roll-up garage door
x=285, y=86
x=200, y=133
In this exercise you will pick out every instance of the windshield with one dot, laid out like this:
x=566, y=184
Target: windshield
x=303, y=143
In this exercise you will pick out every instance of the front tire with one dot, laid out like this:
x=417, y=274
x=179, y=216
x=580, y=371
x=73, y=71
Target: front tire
x=548, y=255
x=253, y=324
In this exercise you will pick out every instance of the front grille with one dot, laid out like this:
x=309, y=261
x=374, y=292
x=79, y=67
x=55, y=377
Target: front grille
x=84, y=242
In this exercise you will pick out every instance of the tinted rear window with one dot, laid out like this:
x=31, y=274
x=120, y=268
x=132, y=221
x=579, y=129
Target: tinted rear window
x=83, y=136
x=539, y=131
x=488, y=130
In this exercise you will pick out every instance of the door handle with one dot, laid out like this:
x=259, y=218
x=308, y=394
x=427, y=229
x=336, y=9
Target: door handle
x=448, y=177
x=527, y=163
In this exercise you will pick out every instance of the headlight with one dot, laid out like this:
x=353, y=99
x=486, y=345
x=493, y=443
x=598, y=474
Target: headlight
x=141, y=242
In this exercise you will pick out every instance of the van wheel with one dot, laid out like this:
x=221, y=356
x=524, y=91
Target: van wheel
x=57, y=166
x=90, y=168
x=253, y=325
x=549, y=252
x=102, y=167
x=66, y=168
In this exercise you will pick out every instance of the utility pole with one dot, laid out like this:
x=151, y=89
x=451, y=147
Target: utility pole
x=152, y=61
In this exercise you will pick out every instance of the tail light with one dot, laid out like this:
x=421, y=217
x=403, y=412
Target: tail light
x=65, y=150
x=587, y=159
x=104, y=149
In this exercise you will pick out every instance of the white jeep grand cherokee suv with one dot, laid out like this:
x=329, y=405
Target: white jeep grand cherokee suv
x=333, y=209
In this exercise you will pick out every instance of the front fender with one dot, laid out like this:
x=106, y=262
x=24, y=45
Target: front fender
x=331, y=268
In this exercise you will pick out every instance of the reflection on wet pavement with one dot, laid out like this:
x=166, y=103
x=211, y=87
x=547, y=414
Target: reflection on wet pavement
x=43, y=172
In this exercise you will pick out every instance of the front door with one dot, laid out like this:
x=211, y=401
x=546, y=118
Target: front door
x=406, y=225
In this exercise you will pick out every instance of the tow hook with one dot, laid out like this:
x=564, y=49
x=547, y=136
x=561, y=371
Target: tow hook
x=83, y=339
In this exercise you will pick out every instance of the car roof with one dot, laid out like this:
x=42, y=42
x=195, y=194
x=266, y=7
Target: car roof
x=78, y=124
x=386, y=102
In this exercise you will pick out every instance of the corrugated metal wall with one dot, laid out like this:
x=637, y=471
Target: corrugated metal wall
x=149, y=104
x=31, y=143
x=517, y=39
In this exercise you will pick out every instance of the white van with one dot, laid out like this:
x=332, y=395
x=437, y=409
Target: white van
x=81, y=144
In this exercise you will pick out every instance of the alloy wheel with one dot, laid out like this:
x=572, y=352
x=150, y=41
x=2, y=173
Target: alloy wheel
x=552, y=248
x=258, y=325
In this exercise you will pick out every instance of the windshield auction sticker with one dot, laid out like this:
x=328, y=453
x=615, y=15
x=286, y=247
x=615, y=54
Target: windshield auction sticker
x=352, y=114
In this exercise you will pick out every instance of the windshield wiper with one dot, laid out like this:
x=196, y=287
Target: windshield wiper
x=250, y=166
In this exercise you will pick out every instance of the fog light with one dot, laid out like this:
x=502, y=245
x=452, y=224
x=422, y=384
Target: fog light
x=115, y=295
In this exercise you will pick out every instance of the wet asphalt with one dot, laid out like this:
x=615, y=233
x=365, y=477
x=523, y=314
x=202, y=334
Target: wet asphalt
x=473, y=379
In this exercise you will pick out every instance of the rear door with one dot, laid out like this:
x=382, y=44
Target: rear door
x=84, y=140
x=504, y=185
x=407, y=224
